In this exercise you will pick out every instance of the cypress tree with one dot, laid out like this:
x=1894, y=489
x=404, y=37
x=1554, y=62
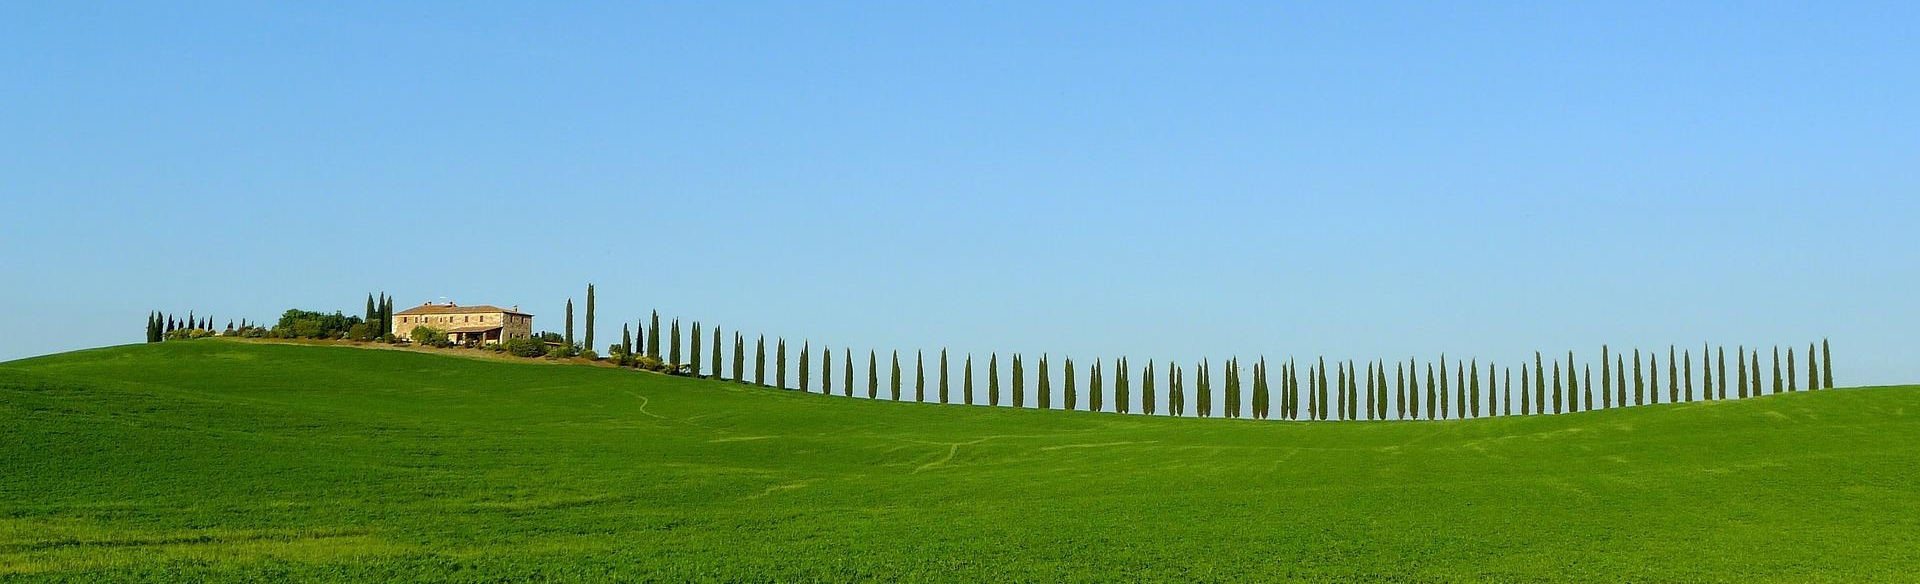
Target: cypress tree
x=1339, y=390
x=373, y=315
x=1539, y=384
x=893, y=383
x=1506, y=391
x=826, y=370
x=944, y=392
x=1620, y=376
x=1740, y=360
x=626, y=339
x=1813, y=370
x=590, y=345
x=1413, y=389
x=693, y=350
x=1122, y=390
x=673, y=354
x=779, y=358
x=1686, y=373
x=1444, y=411
x=1589, y=385
x=1431, y=400
x=1043, y=387
x=1400, y=391
x=1606, y=380
x=1473, y=409
x=1777, y=387
x=806, y=348
x=1639, y=381
x=1755, y=357
x=716, y=353
x=1323, y=389
x=739, y=357
x=920, y=376
x=1653, y=382
x=1526, y=405
x=1019, y=382
x=759, y=359
x=1069, y=398
x=846, y=374
x=1094, y=386
x=1793, y=383
x=1573, y=387
x=966, y=380
x=873, y=375
x=1176, y=403
x=993, y=379
x=1826, y=365
x=1459, y=389
x=1371, y=388
x=653, y=333
x=1313, y=395
x=1706, y=372
x=640, y=337
x=1203, y=401
x=570, y=323
x=1146, y=389
x=1556, y=387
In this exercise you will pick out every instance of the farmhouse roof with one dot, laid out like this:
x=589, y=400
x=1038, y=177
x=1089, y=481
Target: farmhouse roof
x=451, y=308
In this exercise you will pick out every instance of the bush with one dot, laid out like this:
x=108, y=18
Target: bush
x=427, y=336
x=589, y=355
x=185, y=334
x=360, y=332
x=525, y=347
x=650, y=363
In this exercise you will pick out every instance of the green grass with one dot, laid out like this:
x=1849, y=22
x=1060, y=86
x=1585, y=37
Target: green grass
x=217, y=461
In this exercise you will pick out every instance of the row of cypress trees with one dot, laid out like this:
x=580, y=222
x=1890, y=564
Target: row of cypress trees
x=1341, y=391
x=160, y=324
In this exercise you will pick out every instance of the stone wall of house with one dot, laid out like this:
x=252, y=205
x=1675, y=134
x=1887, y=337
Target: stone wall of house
x=513, y=326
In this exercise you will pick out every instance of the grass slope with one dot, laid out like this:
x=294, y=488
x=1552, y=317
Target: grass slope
x=212, y=460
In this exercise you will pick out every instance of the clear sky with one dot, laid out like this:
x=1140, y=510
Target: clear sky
x=1168, y=180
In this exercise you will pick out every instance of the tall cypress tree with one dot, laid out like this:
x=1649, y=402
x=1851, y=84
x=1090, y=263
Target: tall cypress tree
x=373, y=314
x=1431, y=400
x=1473, y=409
x=993, y=379
x=1313, y=394
x=1620, y=376
x=626, y=339
x=570, y=323
x=1459, y=389
x=693, y=350
x=1706, y=372
x=1445, y=413
x=1556, y=387
x=1793, y=383
x=1399, y=391
x=590, y=345
x=966, y=380
x=673, y=353
x=1146, y=389
x=806, y=347
x=1813, y=370
x=1176, y=403
x=1777, y=387
x=1094, y=386
x=1339, y=391
x=779, y=359
x=1539, y=384
x=1324, y=389
x=1122, y=388
x=1606, y=380
x=1686, y=372
x=1043, y=387
x=759, y=359
x=739, y=357
x=1069, y=395
x=846, y=373
x=1413, y=389
x=1673, y=377
x=1755, y=357
x=826, y=370
x=1826, y=365
x=653, y=333
x=944, y=392
x=1573, y=387
x=1740, y=360
x=1203, y=400
x=1506, y=391
x=1653, y=382
x=716, y=353
x=919, y=376
x=1526, y=405
x=1019, y=382
x=893, y=383
x=873, y=375
x=640, y=339
x=1639, y=381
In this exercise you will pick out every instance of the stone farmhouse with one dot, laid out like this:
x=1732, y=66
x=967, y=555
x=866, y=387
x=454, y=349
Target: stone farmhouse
x=479, y=323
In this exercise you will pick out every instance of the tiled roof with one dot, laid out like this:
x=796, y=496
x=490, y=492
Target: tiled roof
x=452, y=309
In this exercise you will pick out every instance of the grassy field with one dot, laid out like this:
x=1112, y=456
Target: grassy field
x=224, y=461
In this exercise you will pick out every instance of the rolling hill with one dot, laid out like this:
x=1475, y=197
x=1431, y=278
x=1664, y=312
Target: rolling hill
x=228, y=461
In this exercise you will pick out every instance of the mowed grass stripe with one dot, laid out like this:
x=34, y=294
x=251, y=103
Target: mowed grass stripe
x=228, y=461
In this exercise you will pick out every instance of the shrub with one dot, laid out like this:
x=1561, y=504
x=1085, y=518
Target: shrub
x=427, y=336
x=589, y=355
x=526, y=347
x=360, y=332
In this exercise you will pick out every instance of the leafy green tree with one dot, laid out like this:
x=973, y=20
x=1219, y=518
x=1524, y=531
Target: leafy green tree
x=966, y=380
x=590, y=318
x=993, y=379
x=1826, y=365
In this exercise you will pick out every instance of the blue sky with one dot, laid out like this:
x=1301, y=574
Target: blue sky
x=1166, y=180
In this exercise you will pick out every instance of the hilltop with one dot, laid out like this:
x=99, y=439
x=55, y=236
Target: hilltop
x=218, y=460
